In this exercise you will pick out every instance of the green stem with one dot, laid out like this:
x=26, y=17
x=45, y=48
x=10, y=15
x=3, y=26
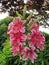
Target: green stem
x=42, y=62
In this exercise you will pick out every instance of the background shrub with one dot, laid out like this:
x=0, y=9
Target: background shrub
x=3, y=29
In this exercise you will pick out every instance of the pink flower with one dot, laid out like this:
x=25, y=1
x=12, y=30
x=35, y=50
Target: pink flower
x=17, y=38
x=10, y=28
x=35, y=26
x=17, y=26
x=17, y=50
x=37, y=39
x=14, y=51
x=29, y=53
x=32, y=25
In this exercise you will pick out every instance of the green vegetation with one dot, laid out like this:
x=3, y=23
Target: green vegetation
x=3, y=30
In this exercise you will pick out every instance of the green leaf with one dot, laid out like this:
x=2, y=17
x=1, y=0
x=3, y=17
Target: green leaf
x=24, y=12
x=29, y=17
x=17, y=13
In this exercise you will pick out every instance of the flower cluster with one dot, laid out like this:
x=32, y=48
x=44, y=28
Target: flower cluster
x=36, y=37
x=18, y=38
x=16, y=30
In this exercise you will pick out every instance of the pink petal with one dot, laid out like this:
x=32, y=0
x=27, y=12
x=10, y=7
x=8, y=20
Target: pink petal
x=24, y=21
x=29, y=36
x=35, y=55
x=22, y=29
x=24, y=37
x=17, y=19
x=21, y=49
x=25, y=57
x=31, y=58
x=31, y=44
x=14, y=54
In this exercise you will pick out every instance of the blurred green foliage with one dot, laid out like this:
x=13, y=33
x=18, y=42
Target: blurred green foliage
x=3, y=29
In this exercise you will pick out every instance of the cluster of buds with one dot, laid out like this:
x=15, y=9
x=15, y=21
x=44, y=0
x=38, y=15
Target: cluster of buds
x=25, y=44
